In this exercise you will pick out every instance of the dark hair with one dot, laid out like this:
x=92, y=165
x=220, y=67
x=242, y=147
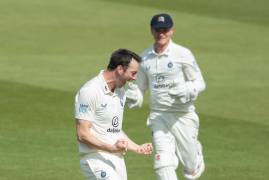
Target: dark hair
x=122, y=57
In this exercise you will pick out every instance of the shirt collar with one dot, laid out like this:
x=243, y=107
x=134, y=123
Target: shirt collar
x=104, y=85
x=165, y=53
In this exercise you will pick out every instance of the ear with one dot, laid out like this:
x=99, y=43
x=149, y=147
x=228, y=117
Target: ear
x=173, y=30
x=120, y=69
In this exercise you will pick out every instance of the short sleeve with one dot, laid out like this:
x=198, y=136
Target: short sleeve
x=85, y=104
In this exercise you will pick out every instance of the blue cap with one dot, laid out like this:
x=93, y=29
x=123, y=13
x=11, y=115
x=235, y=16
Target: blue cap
x=161, y=21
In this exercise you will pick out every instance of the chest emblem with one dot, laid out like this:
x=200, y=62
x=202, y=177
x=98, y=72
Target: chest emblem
x=103, y=174
x=170, y=65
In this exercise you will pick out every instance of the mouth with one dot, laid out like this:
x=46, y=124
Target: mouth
x=161, y=39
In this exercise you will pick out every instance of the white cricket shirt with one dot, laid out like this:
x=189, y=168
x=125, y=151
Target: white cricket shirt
x=95, y=102
x=160, y=72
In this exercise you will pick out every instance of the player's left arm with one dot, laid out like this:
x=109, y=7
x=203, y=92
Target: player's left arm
x=194, y=81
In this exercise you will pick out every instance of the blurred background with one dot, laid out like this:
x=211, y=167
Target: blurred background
x=49, y=48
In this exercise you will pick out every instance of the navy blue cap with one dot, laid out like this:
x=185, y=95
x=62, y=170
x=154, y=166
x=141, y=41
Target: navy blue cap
x=161, y=21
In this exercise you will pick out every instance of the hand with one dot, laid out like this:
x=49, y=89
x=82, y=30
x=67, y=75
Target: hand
x=145, y=149
x=184, y=93
x=121, y=146
x=134, y=98
x=178, y=91
x=131, y=93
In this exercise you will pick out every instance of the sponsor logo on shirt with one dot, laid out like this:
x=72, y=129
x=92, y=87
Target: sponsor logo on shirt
x=160, y=83
x=159, y=78
x=115, y=121
x=161, y=86
x=83, y=108
x=115, y=124
x=113, y=130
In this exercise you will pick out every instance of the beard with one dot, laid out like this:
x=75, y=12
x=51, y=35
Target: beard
x=120, y=82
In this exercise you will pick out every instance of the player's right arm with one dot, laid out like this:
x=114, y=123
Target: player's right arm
x=85, y=107
x=85, y=136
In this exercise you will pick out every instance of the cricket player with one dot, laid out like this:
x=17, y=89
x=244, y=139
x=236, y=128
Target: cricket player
x=99, y=106
x=174, y=80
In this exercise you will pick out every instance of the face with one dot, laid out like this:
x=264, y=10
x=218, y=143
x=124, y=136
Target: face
x=162, y=36
x=128, y=74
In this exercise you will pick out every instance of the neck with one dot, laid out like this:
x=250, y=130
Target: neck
x=160, y=48
x=109, y=77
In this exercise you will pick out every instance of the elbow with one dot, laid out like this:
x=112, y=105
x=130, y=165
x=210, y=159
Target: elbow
x=197, y=86
x=201, y=86
x=81, y=137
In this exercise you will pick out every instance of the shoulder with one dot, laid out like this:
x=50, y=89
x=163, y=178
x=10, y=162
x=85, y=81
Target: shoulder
x=147, y=57
x=182, y=53
x=179, y=49
x=147, y=53
x=91, y=85
x=90, y=89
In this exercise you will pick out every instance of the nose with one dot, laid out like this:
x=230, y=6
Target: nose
x=133, y=77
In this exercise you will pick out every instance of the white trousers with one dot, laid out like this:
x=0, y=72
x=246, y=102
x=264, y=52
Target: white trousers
x=102, y=165
x=175, y=140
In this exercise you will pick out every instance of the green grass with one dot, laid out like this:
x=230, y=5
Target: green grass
x=37, y=134
x=50, y=48
x=242, y=10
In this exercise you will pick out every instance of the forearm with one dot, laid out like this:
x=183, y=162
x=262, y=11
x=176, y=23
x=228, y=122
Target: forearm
x=196, y=86
x=132, y=146
x=85, y=136
x=93, y=142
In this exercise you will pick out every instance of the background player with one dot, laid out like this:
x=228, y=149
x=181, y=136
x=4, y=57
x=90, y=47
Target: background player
x=174, y=80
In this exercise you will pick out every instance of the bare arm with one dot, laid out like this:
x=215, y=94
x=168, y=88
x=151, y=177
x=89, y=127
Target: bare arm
x=145, y=148
x=86, y=137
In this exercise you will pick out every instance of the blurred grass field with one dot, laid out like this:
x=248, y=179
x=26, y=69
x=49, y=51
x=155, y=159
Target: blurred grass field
x=48, y=49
